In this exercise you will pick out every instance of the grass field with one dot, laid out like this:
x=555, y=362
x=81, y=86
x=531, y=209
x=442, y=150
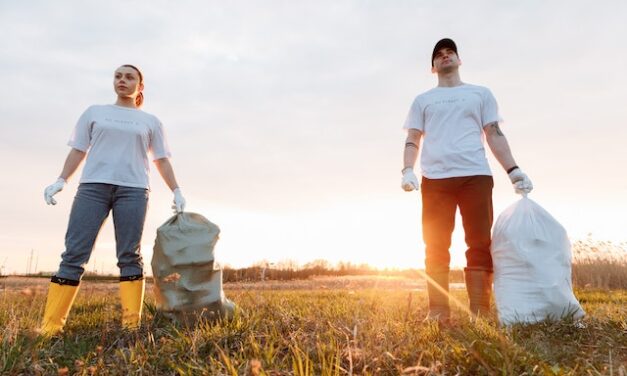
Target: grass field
x=320, y=327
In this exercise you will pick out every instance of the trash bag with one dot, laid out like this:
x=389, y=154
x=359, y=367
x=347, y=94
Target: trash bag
x=531, y=254
x=188, y=283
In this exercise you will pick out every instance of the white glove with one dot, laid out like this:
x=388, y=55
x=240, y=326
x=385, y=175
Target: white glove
x=410, y=181
x=52, y=190
x=179, y=201
x=521, y=182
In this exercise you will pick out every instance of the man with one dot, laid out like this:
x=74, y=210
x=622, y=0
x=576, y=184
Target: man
x=450, y=120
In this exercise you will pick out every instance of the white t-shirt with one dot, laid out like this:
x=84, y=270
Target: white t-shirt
x=118, y=139
x=451, y=120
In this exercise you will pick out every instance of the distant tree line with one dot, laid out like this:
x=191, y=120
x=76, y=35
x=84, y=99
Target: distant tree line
x=288, y=270
x=291, y=270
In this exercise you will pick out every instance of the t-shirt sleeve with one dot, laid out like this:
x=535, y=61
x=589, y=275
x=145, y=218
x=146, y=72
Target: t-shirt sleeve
x=415, y=117
x=81, y=136
x=489, y=109
x=158, y=144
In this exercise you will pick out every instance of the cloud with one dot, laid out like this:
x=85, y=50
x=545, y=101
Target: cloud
x=284, y=107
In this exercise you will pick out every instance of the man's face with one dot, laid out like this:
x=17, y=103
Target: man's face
x=445, y=60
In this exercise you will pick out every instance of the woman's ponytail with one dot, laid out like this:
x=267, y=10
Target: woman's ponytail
x=139, y=99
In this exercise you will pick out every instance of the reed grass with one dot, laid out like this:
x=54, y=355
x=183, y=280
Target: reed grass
x=599, y=264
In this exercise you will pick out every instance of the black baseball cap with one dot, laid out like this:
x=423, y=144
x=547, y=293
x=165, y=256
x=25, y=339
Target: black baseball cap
x=443, y=43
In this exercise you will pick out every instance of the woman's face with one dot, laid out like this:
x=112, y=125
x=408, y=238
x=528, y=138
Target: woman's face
x=126, y=82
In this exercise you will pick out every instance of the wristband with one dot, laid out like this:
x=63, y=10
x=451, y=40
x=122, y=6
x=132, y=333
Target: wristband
x=512, y=169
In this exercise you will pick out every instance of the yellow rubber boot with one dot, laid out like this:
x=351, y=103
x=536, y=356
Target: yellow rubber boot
x=132, y=299
x=61, y=294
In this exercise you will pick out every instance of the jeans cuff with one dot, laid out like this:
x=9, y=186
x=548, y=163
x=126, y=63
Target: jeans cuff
x=64, y=281
x=129, y=278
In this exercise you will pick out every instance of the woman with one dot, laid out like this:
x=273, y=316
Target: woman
x=116, y=139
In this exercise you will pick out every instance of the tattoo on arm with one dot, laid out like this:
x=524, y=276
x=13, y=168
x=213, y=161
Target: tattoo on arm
x=495, y=127
x=411, y=145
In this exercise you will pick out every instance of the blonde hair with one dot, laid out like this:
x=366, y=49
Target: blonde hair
x=139, y=100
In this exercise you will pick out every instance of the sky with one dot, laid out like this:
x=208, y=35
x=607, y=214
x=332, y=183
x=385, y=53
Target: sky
x=284, y=117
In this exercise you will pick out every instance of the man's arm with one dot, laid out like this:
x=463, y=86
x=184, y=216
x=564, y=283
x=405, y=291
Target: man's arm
x=412, y=145
x=410, y=154
x=498, y=145
x=500, y=148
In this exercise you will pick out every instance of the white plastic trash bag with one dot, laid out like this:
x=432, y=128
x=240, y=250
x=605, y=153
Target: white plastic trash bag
x=532, y=266
x=188, y=284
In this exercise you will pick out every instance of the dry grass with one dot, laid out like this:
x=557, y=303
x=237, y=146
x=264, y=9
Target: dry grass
x=322, y=331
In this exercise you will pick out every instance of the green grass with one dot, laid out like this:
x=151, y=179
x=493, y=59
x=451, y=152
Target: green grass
x=311, y=332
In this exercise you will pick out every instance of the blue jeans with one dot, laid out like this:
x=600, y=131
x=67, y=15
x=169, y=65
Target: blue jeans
x=91, y=206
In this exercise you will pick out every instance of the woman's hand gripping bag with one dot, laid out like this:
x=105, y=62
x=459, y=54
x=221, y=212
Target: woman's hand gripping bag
x=532, y=266
x=188, y=283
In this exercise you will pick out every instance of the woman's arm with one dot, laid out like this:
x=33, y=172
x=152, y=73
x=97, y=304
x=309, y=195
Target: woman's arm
x=73, y=160
x=167, y=172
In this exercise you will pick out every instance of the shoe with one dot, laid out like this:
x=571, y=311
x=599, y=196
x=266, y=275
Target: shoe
x=132, y=299
x=61, y=295
x=479, y=288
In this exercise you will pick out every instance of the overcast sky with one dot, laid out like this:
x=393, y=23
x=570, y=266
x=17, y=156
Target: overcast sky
x=284, y=117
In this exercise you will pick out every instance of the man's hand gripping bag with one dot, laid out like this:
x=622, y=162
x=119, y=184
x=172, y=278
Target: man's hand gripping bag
x=188, y=284
x=532, y=266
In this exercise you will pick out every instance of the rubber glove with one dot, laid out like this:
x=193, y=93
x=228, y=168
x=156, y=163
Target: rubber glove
x=179, y=201
x=521, y=182
x=410, y=181
x=52, y=190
